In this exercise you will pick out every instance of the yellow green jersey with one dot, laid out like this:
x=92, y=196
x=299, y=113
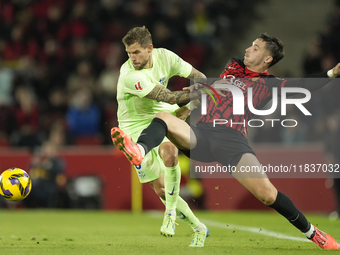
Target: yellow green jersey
x=135, y=112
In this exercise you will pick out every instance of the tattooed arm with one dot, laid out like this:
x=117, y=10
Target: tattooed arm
x=197, y=75
x=160, y=93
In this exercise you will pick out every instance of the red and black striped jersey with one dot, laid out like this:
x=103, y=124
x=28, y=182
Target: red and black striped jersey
x=243, y=78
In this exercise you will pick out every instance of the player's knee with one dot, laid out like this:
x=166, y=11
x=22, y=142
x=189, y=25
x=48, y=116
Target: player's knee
x=270, y=200
x=266, y=196
x=165, y=116
x=170, y=159
x=169, y=154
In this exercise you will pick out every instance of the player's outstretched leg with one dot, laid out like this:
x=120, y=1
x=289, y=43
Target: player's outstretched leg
x=260, y=186
x=125, y=144
x=324, y=240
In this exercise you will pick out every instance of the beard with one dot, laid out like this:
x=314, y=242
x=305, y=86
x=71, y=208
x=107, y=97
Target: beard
x=141, y=66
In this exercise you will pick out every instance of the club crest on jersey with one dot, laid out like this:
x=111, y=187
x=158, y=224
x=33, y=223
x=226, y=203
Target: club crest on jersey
x=162, y=81
x=138, y=86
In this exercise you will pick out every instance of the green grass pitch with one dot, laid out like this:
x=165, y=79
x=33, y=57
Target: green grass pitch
x=51, y=232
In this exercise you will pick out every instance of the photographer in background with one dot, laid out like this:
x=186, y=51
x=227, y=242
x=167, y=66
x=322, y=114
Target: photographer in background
x=47, y=174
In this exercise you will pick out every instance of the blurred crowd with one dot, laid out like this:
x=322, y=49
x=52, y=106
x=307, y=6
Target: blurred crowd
x=60, y=60
x=59, y=67
x=322, y=54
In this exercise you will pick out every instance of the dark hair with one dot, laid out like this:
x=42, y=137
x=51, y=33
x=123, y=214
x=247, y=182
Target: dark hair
x=274, y=46
x=139, y=35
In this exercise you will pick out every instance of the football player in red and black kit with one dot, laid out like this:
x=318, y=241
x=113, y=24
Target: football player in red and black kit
x=227, y=144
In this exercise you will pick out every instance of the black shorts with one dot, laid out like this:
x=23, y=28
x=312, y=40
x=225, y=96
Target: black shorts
x=218, y=144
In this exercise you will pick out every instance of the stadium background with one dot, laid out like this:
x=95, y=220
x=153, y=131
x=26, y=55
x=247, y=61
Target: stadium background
x=61, y=58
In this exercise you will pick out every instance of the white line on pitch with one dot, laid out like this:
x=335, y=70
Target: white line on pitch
x=223, y=225
x=252, y=230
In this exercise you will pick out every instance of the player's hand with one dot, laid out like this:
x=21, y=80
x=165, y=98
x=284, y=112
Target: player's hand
x=205, y=87
x=193, y=87
x=220, y=90
x=222, y=81
x=183, y=113
x=336, y=69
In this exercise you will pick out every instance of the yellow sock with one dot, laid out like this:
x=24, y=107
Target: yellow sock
x=172, y=179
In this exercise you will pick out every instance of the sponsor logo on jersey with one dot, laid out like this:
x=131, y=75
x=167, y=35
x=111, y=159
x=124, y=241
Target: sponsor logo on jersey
x=138, y=86
x=208, y=92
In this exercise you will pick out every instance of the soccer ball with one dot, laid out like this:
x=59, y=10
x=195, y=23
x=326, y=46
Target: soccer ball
x=15, y=184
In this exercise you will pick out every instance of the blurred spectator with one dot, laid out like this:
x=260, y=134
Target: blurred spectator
x=52, y=26
x=6, y=82
x=16, y=46
x=55, y=110
x=58, y=134
x=46, y=79
x=26, y=74
x=108, y=78
x=76, y=44
x=27, y=116
x=7, y=123
x=52, y=55
x=82, y=50
x=141, y=11
x=83, y=116
x=78, y=24
x=26, y=69
x=6, y=101
x=328, y=62
x=162, y=37
x=322, y=54
x=293, y=135
x=312, y=59
x=174, y=16
x=47, y=174
x=200, y=26
x=82, y=78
